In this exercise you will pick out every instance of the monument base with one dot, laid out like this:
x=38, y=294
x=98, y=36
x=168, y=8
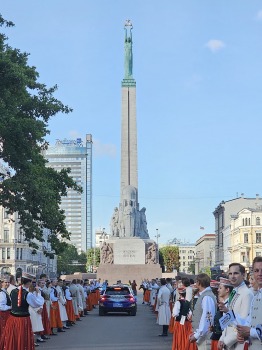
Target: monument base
x=136, y=272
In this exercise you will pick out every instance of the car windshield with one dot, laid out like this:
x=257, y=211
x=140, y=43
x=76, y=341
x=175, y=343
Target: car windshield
x=117, y=291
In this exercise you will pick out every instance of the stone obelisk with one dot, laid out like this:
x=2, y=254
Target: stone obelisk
x=129, y=130
x=129, y=253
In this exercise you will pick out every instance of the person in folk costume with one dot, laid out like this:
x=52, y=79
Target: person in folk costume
x=45, y=318
x=153, y=293
x=143, y=286
x=18, y=334
x=69, y=305
x=97, y=291
x=36, y=312
x=251, y=333
x=12, y=284
x=82, y=296
x=47, y=291
x=164, y=313
x=224, y=289
x=62, y=303
x=253, y=285
x=55, y=319
x=169, y=286
x=189, y=289
x=75, y=298
x=5, y=306
x=239, y=301
x=203, y=313
x=182, y=327
x=88, y=301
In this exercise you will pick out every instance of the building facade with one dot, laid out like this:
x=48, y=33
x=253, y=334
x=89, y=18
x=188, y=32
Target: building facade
x=222, y=216
x=76, y=155
x=186, y=256
x=205, y=248
x=16, y=256
x=246, y=236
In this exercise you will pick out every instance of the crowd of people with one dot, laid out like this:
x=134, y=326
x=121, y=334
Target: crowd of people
x=201, y=314
x=32, y=311
x=210, y=314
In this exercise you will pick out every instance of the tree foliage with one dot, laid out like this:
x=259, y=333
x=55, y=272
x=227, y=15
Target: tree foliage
x=169, y=257
x=93, y=259
x=28, y=186
x=69, y=261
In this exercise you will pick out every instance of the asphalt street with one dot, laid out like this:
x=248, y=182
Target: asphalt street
x=113, y=332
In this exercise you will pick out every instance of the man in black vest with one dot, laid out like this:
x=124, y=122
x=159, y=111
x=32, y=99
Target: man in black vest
x=203, y=314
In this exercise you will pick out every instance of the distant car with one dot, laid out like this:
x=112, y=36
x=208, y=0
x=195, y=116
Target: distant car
x=117, y=298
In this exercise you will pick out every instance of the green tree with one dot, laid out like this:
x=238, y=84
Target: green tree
x=28, y=186
x=169, y=257
x=93, y=259
x=192, y=267
x=69, y=261
x=206, y=270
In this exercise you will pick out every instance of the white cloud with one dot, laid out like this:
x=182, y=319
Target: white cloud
x=215, y=45
x=259, y=15
x=103, y=149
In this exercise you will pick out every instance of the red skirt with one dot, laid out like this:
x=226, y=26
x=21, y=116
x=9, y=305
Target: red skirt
x=45, y=321
x=55, y=319
x=18, y=334
x=181, y=337
x=70, y=311
x=89, y=303
x=3, y=318
x=214, y=344
x=171, y=325
x=147, y=296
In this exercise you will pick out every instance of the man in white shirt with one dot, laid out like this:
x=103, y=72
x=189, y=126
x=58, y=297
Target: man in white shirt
x=253, y=331
x=164, y=312
x=239, y=301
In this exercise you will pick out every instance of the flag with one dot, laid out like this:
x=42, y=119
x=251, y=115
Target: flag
x=202, y=228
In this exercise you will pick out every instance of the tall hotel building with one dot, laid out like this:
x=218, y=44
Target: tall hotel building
x=76, y=155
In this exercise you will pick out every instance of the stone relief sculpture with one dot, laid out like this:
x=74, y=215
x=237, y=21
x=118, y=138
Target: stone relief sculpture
x=106, y=254
x=151, y=254
x=114, y=223
x=129, y=221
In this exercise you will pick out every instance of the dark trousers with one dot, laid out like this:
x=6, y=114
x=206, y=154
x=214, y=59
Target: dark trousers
x=165, y=329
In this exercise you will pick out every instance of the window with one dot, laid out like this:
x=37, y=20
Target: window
x=3, y=253
x=258, y=253
x=258, y=237
x=257, y=221
x=6, y=236
x=249, y=221
x=245, y=221
x=5, y=214
x=184, y=264
x=245, y=237
x=17, y=253
x=21, y=253
x=8, y=253
x=20, y=234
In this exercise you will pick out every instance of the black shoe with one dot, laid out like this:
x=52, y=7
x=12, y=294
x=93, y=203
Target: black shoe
x=60, y=330
x=45, y=337
x=53, y=334
x=36, y=344
x=66, y=327
x=39, y=340
x=162, y=335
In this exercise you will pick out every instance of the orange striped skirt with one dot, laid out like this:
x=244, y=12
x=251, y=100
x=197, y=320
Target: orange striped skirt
x=70, y=311
x=147, y=296
x=171, y=325
x=55, y=319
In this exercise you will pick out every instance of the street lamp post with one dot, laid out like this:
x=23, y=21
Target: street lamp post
x=157, y=236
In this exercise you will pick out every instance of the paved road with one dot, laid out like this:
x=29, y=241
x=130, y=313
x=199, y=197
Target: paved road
x=113, y=332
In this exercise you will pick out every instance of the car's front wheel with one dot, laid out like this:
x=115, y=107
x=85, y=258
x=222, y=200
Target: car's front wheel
x=132, y=313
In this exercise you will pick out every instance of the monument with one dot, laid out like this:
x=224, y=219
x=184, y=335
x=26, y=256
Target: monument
x=129, y=253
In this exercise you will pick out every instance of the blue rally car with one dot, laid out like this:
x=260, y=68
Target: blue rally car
x=117, y=298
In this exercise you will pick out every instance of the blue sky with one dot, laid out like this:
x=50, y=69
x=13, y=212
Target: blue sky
x=198, y=68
